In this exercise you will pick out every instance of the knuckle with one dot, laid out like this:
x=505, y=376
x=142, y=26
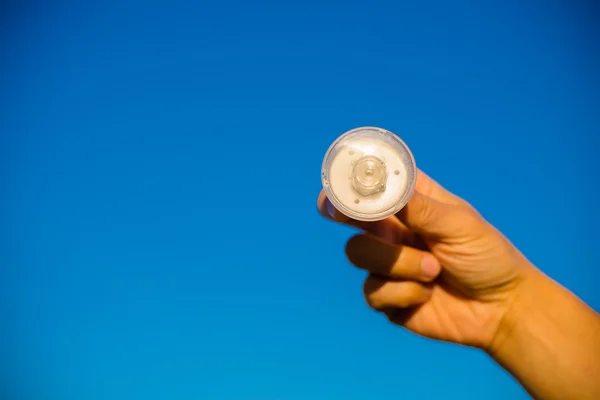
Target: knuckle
x=374, y=295
x=375, y=302
x=423, y=208
x=471, y=215
x=395, y=294
x=409, y=294
x=407, y=263
x=470, y=221
x=367, y=252
x=413, y=294
x=353, y=247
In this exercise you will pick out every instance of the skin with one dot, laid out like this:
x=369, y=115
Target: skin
x=440, y=270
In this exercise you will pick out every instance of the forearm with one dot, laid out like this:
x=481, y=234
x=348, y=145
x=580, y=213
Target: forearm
x=550, y=342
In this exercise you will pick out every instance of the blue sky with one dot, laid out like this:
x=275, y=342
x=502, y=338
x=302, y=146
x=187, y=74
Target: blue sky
x=160, y=165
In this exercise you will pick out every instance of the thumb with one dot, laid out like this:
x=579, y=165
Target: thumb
x=429, y=217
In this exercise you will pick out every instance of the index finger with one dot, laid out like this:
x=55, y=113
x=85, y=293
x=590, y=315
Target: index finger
x=390, y=229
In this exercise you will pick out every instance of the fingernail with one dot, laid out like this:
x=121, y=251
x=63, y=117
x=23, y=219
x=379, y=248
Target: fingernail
x=334, y=213
x=430, y=266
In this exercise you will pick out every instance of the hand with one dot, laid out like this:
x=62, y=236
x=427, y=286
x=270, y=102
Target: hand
x=437, y=268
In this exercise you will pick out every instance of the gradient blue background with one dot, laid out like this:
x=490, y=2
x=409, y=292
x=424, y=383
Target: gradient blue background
x=160, y=166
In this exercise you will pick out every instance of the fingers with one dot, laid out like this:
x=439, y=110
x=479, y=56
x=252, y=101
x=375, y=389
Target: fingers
x=430, y=188
x=429, y=217
x=382, y=295
x=327, y=210
x=394, y=261
x=432, y=211
x=440, y=221
x=390, y=229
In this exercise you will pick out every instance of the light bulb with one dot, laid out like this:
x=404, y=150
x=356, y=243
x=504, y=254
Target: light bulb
x=368, y=174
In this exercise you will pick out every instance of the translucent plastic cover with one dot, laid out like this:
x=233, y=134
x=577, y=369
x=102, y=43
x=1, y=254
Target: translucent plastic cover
x=368, y=174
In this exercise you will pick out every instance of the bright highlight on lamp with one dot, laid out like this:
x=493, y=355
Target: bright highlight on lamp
x=368, y=174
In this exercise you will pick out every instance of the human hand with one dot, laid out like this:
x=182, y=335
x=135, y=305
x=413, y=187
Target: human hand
x=437, y=268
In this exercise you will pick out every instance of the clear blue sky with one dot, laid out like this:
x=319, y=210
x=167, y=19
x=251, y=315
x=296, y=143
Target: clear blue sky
x=160, y=166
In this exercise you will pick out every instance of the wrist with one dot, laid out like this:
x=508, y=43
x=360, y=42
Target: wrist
x=549, y=340
x=532, y=288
